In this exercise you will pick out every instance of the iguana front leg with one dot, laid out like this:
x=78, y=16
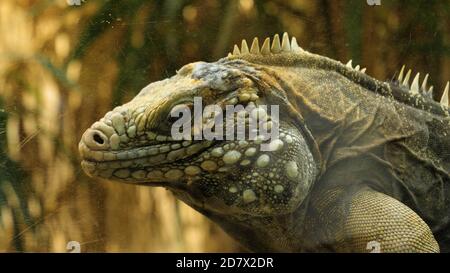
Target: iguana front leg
x=391, y=225
x=367, y=220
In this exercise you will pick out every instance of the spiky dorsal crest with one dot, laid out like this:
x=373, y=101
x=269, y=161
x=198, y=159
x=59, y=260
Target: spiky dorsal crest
x=290, y=45
x=416, y=88
x=276, y=46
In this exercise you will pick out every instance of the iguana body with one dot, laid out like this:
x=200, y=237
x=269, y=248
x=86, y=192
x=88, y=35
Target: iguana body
x=359, y=163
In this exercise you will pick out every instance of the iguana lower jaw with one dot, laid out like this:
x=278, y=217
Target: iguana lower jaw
x=145, y=164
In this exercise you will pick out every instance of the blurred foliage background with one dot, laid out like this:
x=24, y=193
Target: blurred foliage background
x=64, y=63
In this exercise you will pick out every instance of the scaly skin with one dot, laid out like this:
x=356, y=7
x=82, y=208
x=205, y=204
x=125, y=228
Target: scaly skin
x=357, y=160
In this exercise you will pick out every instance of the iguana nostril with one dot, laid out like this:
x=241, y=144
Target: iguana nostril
x=95, y=139
x=98, y=138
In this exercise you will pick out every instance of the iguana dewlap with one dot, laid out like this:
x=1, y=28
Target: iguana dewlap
x=358, y=164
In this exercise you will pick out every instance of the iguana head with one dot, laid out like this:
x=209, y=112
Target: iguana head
x=135, y=142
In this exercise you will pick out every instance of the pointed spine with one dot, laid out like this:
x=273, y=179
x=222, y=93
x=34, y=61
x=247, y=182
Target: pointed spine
x=265, y=49
x=285, y=45
x=255, y=46
x=349, y=64
x=431, y=91
x=445, y=96
x=294, y=46
x=276, y=45
x=400, y=76
x=415, y=84
x=425, y=82
x=236, y=50
x=406, y=81
x=244, y=47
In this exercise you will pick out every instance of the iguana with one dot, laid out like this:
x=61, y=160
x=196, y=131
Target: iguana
x=359, y=164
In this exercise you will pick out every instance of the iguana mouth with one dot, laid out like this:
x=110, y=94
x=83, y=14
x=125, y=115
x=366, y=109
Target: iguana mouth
x=105, y=163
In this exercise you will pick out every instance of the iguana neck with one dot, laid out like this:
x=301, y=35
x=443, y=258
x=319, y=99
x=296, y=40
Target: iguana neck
x=283, y=233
